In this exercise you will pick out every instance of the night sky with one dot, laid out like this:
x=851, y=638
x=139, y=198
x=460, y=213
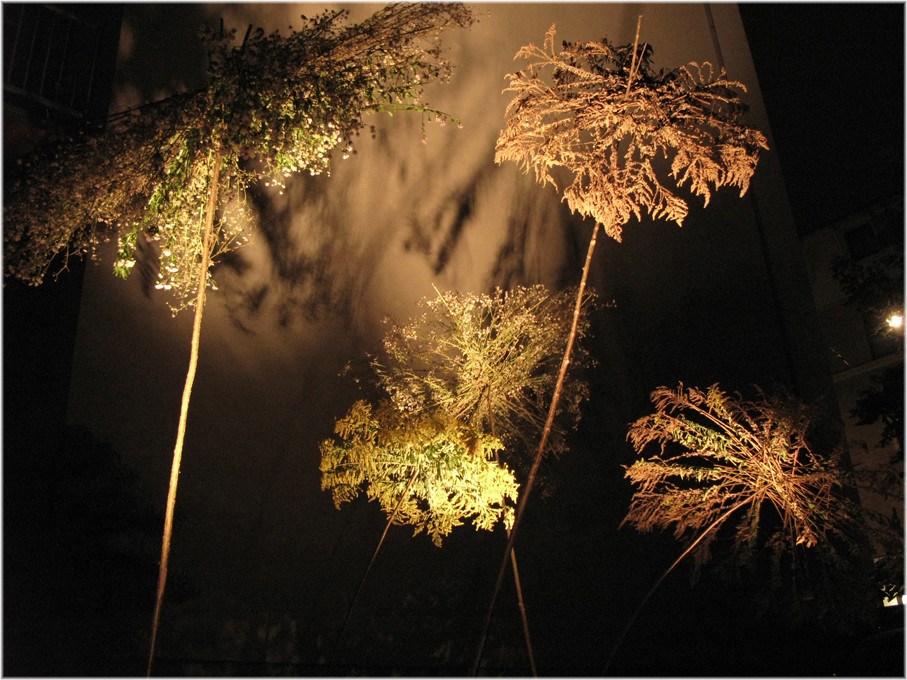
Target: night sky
x=263, y=567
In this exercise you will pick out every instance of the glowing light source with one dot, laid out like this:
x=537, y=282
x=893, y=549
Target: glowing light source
x=895, y=601
x=896, y=321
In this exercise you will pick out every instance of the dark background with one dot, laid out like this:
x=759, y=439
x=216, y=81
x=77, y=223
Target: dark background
x=832, y=77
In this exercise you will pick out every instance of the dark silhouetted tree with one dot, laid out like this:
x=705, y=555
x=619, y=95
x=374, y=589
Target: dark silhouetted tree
x=874, y=287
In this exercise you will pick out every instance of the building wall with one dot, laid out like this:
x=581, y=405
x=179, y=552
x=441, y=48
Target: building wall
x=58, y=68
x=858, y=344
x=58, y=65
x=58, y=73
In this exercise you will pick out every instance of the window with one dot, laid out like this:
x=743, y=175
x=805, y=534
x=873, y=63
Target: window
x=49, y=57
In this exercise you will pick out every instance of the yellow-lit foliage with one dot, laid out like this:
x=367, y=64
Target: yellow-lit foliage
x=605, y=116
x=427, y=470
x=466, y=378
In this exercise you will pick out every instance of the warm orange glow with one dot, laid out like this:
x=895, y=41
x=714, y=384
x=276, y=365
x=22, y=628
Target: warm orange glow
x=896, y=321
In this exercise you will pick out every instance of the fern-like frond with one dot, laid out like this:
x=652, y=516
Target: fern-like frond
x=606, y=123
x=716, y=452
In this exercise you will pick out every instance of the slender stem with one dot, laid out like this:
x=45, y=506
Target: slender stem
x=633, y=64
x=184, y=407
x=686, y=552
x=516, y=571
x=522, y=604
x=372, y=562
x=524, y=496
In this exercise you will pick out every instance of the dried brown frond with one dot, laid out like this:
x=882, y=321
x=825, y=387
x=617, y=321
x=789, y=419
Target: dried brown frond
x=605, y=116
x=718, y=454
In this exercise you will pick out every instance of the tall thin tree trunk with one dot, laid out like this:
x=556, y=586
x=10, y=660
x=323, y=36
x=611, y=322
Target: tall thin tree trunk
x=522, y=604
x=184, y=408
x=524, y=496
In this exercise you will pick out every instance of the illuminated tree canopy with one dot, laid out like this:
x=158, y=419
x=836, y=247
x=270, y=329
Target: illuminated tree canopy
x=465, y=381
x=487, y=360
x=274, y=105
x=427, y=469
x=720, y=456
x=724, y=459
x=606, y=116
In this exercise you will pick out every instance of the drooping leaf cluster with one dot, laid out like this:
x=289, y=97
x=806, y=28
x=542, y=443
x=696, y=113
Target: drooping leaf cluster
x=466, y=378
x=605, y=116
x=723, y=459
x=428, y=468
x=720, y=456
x=274, y=105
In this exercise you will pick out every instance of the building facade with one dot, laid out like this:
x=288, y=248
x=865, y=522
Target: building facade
x=856, y=272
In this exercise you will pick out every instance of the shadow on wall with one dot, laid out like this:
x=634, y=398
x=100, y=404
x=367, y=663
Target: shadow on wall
x=398, y=212
x=170, y=32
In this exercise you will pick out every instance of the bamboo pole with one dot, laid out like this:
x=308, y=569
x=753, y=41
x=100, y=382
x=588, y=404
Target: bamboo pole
x=390, y=521
x=524, y=496
x=667, y=571
x=184, y=407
